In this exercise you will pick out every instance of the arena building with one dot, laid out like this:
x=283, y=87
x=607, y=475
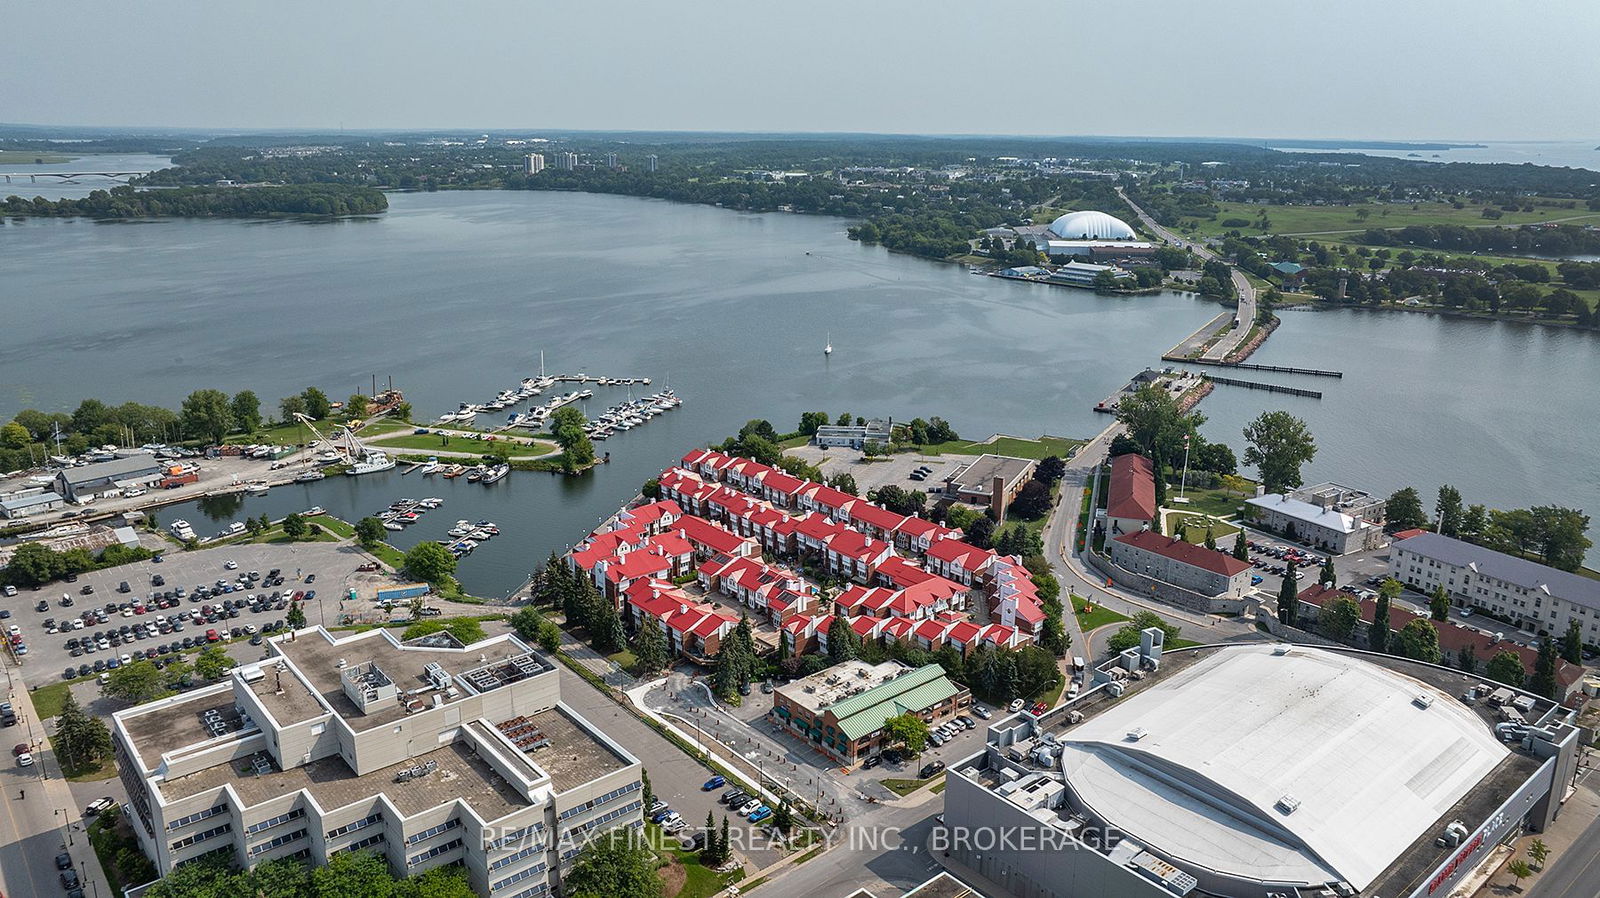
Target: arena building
x=1256, y=771
x=1093, y=234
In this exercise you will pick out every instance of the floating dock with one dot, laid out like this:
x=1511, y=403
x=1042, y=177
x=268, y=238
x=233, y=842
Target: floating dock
x=1249, y=366
x=1270, y=388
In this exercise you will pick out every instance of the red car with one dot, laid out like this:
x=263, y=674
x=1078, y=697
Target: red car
x=1039, y=708
x=211, y=636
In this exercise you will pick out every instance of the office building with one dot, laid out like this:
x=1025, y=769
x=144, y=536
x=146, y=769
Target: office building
x=425, y=751
x=1317, y=521
x=841, y=711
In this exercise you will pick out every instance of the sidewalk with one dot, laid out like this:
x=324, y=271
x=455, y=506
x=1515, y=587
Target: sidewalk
x=43, y=816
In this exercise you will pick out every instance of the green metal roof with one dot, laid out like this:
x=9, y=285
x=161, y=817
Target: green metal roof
x=912, y=692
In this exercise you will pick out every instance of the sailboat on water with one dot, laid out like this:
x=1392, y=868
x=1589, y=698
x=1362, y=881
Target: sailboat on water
x=827, y=348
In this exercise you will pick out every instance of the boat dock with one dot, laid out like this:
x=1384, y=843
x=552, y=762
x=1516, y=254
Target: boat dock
x=1282, y=369
x=412, y=468
x=1178, y=382
x=602, y=381
x=1271, y=388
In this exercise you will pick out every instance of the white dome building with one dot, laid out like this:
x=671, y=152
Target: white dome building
x=1091, y=226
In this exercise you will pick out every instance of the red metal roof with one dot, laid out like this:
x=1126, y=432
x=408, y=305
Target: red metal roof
x=1186, y=552
x=1132, y=493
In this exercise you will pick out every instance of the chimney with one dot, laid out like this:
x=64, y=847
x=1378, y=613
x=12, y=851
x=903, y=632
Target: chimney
x=997, y=499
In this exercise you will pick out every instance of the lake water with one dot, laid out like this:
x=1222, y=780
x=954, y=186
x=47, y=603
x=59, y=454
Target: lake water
x=454, y=295
x=1561, y=153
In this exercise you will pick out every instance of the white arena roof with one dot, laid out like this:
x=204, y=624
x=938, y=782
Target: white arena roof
x=1091, y=226
x=1231, y=744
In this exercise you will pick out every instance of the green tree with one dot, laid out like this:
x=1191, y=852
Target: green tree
x=1506, y=667
x=1054, y=638
x=1280, y=444
x=370, y=533
x=1419, y=641
x=906, y=730
x=1572, y=643
x=1328, y=577
x=1289, y=599
x=783, y=817
x=1378, y=632
x=577, y=452
x=316, y=402
x=296, y=616
x=1403, y=510
x=296, y=528
x=356, y=406
x=430, y=562
x=14, y=436
x=245, y=407
x=1338, y=618
x=136, y=683
x=1128, y=636
x=1518, y=869
x=1543, y=682
x=651, y=489
x=810, y=421
x=81, y=739
x=618, y=864
x=650, y=647
x=605, y=629
x=1439, y=604
x=1447, y=510
x=289, y=406
x=1474, y=522
x=1155, y=422
x=1211, y=538
x=206, y=415
x=213, y=662
x=1467, y=659
x=34, y=564
x=1539, y=852
x=843, y=643
x=1241, y=548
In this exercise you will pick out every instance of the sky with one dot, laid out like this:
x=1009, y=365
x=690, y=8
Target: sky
x=1418, y=69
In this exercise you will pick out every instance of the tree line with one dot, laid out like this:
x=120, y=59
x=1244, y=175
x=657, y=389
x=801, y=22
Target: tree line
x=322, y=200
x=1555, y=535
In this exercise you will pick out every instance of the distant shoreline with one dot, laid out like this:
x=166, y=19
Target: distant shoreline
x=1369, y=145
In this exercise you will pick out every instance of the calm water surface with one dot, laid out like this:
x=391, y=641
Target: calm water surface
x=454, y=295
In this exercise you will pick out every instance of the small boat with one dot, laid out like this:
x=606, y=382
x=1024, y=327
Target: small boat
x=313, y=511
x=455, y=471
x=827, y=348
x=431, y=502
x=430, y=466
x=495, y=473
x=475, y=475
x=181, y=529
x=391, y=525
x=256, y=487
x=309, y=476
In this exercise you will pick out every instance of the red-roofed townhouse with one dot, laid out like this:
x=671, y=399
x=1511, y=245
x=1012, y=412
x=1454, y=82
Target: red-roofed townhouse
x=916, y=534
x=693, y=629
x=685, y=488
x=964, y=635
x=876, y=522
x=651, y=518
x=1014, y=599
x=931, y=634
x=774, y=530
x=900, y=629
x=1001, y=636
x=953, y=559
x=800, y=633
x=867, y=627
x=709, y=465
x=782, y=489
x=814, y=531
x=708, y=539
x=1181, y=563
x=857, y=599
x=1131, y=495
x=826, y=500
x=901, y=572
x=745, y=474
x=854, y=555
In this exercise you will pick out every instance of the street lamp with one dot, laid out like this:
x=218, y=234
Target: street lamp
x=1184, y=483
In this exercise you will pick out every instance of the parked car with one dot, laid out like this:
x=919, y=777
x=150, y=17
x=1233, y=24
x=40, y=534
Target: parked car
x=99, y=806
x=656, y=805
x=728, y=796
x=930, y=769
x=661, y=815
x=715, y=782
x=760, y=814
x=748, y=806
x=1016, y=705
x=982, y=712
x=871, y=762
x=63, y=861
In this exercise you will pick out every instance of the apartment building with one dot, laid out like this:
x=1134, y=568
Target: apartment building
x=425, y=751
x=1538, y=597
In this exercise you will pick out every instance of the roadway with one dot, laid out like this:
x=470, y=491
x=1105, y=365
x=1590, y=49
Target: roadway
x=1246, y=314
x=39, y=816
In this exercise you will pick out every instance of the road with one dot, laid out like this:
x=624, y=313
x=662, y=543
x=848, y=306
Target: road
x=1246, y=314
x=39, y=816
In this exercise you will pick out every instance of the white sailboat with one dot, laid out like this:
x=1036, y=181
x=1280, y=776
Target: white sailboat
x=827, y=348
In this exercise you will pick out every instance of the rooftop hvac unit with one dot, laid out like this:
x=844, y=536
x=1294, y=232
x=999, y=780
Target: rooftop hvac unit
x=1422, y=700
x=1137, y=733
x=1115, y=689
x=1280, y=649
x=1288, y=804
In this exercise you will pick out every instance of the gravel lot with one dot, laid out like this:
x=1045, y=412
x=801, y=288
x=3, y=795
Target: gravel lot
x=333, y=564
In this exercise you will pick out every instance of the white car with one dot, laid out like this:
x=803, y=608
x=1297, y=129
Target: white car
x=230, y=565
x=25, y=760
x=747, y=808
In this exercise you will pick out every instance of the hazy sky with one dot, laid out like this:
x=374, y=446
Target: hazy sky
x=1462, y=69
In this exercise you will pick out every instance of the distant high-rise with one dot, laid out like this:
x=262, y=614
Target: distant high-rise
x=567, y=161
x=533, y=163
x=650, y=162
x=611, y=160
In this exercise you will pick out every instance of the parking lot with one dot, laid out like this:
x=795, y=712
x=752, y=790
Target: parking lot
x=331, y=565
x=895, y=469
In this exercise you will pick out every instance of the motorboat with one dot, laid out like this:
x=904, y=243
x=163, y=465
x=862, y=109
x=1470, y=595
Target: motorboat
x=372, y=464
x=309, y=476
x=495, y=473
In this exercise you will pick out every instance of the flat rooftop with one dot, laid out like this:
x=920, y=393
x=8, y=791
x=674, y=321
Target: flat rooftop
x=460, y=774
x=285, y=696
x=977, y=475
x=827, y=687
x=318, y=660
x=180, y=723
x=574, y=756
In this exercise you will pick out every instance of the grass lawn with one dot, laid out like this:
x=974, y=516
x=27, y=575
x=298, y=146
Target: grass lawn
x=390, y=555
x=118, y=852
x=938, y=787
x=1217, y=503
x=1317, y=219
x=47, y=700
x=1194, y=530
x=625, y=659
x=294, y=433
x=1053, y=694
x=684, y=875
x=429, y=442
x=1089, y=619
x=904, y=787
x=1012, y=446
